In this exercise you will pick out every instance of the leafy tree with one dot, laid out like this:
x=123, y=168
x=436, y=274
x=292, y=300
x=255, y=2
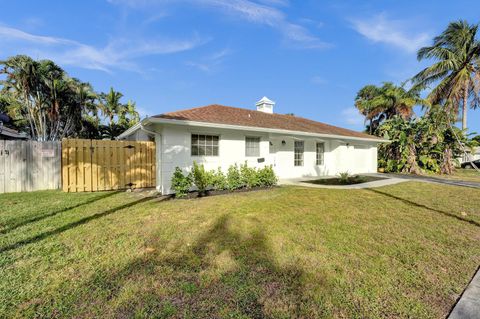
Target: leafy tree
x=428, y=143
x=43, y=95
x=48, y=104
x=128, y=115
x=110, y=104
x=378, y=104
x=113, y=109
x=476, y=139
x=456, y=70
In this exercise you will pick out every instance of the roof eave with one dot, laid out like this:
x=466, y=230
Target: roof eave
x=159, y=120
x=133, y=129
x=13, y=134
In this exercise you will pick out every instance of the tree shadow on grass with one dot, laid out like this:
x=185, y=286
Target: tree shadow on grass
x=188, y=282
x=411, y=203
x=51, y=214
x=68, y=226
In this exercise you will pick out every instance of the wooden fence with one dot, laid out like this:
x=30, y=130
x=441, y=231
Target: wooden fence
x=94, y=165
x=28, y=166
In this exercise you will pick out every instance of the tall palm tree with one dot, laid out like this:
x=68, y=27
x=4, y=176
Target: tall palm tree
x=381, y=103
x=128, y=115
x=456, y=70
x=110, y=104
x=363, y=102
x=21, y=82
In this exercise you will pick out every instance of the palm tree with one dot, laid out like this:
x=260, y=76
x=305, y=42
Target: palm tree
x=41, y=93
x=382, y=103
x=110, y=104
x=456, y=71
x=363, y=102
x=128, y=115
x=20, y=83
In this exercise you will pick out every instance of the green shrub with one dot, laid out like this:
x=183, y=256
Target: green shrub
x=181, y=183
x=359, y=179
x=266, y=176
x=234, y=179
x=201, y=178
x=218, y=179
x=249, y=176
x=344, y=177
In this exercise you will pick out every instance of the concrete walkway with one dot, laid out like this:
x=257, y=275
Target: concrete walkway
x=437, y=180
x=468, y=306
x=387, y=180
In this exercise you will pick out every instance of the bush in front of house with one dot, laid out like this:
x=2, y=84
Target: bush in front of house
x=249, y=176
x=181, y=183
x=218, y=180
x=266, y=176
x=201, y=178
x=236, y=178
x=346, y=178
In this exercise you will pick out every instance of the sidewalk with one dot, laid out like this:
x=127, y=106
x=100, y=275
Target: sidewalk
x=468, y=306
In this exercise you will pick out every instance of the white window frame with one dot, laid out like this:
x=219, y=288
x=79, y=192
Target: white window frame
x=258, y=146
x=300, y=159
x=320, y=160
x=206, y=143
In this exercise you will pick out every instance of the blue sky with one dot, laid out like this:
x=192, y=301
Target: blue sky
x=311, y=57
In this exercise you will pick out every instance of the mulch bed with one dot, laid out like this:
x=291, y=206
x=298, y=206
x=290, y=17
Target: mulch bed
x=359, y=179
x=209, y=193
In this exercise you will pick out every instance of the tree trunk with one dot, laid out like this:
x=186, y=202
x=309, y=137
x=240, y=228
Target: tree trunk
x=464, y=106
x=412, y=165
x=447, y=166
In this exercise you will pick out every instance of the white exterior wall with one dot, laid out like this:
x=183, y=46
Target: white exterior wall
x=173, y=149
x=139, y=135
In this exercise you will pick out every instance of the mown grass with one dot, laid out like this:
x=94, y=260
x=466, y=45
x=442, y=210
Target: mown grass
x=406, y=250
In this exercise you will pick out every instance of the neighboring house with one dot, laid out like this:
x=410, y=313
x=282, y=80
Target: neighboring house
x=219, y=136
x=473, y=155
x=7, y=133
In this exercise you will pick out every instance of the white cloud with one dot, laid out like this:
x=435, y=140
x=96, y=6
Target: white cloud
x=211, y=62
x=261, y=13
x=351, y=116
x=7, y=33
x=381, y=29
x=283, y=3
x=270, y=16
x=318, y=80
x=119, y=53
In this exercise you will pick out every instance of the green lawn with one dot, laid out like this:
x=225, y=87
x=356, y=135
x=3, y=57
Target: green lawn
x=406, y=250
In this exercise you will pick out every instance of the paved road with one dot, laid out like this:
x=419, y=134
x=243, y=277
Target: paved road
x=436, y=180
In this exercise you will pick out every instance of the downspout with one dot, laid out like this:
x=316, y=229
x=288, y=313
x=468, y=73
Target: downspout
x=147, y=131
x=159, y=156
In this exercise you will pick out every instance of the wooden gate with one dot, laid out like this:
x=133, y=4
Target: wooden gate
x=97, y=165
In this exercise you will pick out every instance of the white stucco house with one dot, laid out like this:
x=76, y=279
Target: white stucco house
x=219, y=136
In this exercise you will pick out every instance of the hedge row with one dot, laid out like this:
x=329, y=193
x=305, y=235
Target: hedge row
x=235, y=178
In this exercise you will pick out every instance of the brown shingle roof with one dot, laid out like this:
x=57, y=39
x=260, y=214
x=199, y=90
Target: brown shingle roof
x=221, y=114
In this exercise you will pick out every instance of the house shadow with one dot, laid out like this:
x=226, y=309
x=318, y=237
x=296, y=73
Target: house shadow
x=193, y=286
x=412, y=203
